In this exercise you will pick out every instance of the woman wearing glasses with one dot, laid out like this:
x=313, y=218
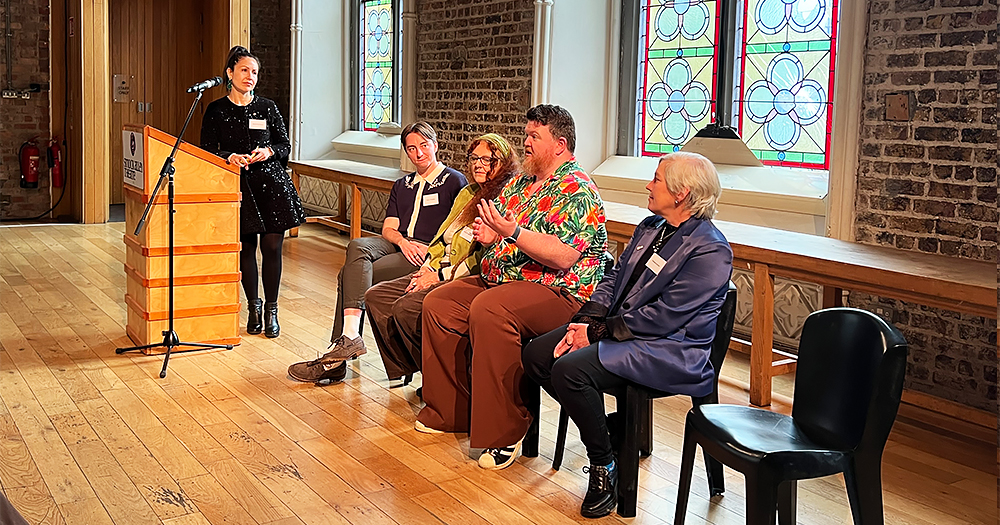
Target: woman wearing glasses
x=394, y=306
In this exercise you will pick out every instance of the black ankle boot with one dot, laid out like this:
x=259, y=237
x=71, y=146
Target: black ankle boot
x=602, y=491
x=271, y=327
x=253, y=318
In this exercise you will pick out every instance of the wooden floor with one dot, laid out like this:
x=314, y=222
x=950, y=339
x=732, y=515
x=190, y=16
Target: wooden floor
x=90, y=437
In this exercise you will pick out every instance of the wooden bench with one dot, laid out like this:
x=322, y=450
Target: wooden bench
x=934, y=280
x=349, y=174
x=953, y=284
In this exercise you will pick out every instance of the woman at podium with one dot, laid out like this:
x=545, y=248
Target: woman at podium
x=247, y=130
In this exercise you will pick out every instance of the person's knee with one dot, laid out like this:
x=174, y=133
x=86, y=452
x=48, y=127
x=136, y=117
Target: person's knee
x=567, y=375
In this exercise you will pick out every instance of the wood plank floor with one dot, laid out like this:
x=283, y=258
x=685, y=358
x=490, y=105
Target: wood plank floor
x=90, y=437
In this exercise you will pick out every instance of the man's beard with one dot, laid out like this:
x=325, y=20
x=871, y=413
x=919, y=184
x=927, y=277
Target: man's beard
x=535, y=166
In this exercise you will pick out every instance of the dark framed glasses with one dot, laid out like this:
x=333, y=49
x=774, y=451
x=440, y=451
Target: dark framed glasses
x=486, y=161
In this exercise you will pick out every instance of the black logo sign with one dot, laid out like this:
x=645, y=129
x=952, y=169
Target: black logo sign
x=131, y=143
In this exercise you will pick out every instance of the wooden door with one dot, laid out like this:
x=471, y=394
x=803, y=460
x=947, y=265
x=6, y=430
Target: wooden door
x=126, y=52
x=177, y=58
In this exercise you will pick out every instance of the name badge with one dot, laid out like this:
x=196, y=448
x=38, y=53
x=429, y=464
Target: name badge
x=466, y=233
x=655, y=263
x=256, y=123
x=431, y=199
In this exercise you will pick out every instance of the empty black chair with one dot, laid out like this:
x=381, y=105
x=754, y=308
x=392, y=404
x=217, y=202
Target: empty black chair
x=847, y=389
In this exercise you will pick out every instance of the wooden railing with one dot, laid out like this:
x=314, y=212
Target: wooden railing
x=934, y=280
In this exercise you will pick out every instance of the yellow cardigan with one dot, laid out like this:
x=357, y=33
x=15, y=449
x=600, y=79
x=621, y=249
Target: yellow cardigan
x=464, y=252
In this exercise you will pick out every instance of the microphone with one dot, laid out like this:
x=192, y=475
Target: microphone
x=205, y=84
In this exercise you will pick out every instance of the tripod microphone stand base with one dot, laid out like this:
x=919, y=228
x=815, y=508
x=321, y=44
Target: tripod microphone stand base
x=170, y=341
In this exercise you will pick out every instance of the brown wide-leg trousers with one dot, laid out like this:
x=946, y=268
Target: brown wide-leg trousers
x=396, y=316
x=472, y=341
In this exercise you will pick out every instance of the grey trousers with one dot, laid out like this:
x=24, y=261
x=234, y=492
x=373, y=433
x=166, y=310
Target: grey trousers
x=369, y=260
x=397, y=319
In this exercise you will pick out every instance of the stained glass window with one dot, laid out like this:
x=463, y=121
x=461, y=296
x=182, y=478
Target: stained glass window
x=785, y=90
x=677, y=51
x=782, y=76
x=376, y=46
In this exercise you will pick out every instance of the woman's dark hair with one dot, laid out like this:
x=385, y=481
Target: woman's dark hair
x=235, y=54
x=507, y=166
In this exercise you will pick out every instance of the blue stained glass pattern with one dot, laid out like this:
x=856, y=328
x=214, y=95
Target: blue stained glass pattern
x=377, y=59
x=785, y=89
x=677, y=46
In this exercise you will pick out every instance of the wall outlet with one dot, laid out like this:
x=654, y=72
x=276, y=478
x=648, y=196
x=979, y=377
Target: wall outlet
x=4, y=200
x=9, y=93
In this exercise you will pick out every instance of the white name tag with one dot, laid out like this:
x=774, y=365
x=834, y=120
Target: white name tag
x=655, y=263
x=431, y=199
x=466, y=233
x=256, y=123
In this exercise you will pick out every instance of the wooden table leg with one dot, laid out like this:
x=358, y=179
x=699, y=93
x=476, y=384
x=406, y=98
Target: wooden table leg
x=833, y=297
x=762, y=339
x=294, y=232
x=355, y=211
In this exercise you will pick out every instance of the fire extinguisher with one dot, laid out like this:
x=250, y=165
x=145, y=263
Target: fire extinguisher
x=28, y=154
x=54, y=157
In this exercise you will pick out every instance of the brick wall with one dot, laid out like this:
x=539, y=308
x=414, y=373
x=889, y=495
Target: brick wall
x=473, y=70
x=930, y=184
x=22, y=119
x=271, y=41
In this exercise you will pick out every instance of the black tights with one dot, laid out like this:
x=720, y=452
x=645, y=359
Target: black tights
x=270, y=266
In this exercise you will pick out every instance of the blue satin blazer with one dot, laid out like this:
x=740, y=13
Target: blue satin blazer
x=661, y=336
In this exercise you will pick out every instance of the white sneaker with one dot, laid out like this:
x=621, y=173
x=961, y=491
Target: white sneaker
x=499, y=458
x=420, y=427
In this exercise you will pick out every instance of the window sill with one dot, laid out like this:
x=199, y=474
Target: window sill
x=770, y=188
x=368, y=143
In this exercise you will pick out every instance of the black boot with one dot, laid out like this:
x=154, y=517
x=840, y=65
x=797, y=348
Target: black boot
x=253, y=318
x=602, y=491
x=271, y=327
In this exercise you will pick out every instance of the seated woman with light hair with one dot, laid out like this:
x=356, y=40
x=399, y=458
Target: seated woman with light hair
x=650, y=321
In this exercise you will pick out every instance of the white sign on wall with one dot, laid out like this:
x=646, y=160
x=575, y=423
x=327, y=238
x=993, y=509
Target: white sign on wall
x=132, y=168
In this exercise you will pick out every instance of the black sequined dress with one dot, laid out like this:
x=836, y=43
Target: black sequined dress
x=270, y=203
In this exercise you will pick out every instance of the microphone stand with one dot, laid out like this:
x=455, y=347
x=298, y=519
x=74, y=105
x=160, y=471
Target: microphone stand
x=170, y=339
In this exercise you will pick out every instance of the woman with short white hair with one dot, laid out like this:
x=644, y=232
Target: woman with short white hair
x=650, y=321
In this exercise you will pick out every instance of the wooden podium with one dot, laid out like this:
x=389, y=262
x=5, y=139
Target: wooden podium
x=206, y=242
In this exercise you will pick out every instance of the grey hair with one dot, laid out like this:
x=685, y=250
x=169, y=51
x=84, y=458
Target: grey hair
x=698, y=175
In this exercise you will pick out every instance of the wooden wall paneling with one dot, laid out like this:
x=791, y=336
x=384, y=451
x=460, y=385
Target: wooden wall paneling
x=239, y=20
x=95, y=117
x=127, y=57
x=58, y=84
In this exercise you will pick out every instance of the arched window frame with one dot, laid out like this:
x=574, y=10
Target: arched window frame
x=360, y=96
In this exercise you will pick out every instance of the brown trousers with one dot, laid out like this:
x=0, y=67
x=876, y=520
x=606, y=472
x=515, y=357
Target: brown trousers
x=396, y=317
x=473, y=333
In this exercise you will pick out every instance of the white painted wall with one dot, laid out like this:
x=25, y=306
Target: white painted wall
x=325, y=76
x=579, y=73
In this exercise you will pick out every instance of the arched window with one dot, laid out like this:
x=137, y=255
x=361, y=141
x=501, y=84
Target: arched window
x=377, y=66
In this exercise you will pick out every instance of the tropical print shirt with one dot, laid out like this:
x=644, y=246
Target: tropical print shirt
x=567, y=206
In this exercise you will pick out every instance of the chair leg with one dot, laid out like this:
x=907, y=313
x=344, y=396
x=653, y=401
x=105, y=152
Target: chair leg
x=684, y=483
x=864, y=490
x=628, y=457
x=762, y=499
x=787, y=499
x=531, y=396
x=716, y=479
x=646, y=431
x=557, y=455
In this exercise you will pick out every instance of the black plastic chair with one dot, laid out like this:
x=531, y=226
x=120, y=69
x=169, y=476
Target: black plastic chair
x=847, y=389
x=638, y=421
x=531, y=394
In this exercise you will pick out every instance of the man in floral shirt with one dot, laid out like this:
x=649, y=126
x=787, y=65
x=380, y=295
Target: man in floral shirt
x=546, y=244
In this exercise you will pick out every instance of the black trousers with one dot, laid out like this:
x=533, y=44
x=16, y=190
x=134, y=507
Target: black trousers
x=578, y=381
